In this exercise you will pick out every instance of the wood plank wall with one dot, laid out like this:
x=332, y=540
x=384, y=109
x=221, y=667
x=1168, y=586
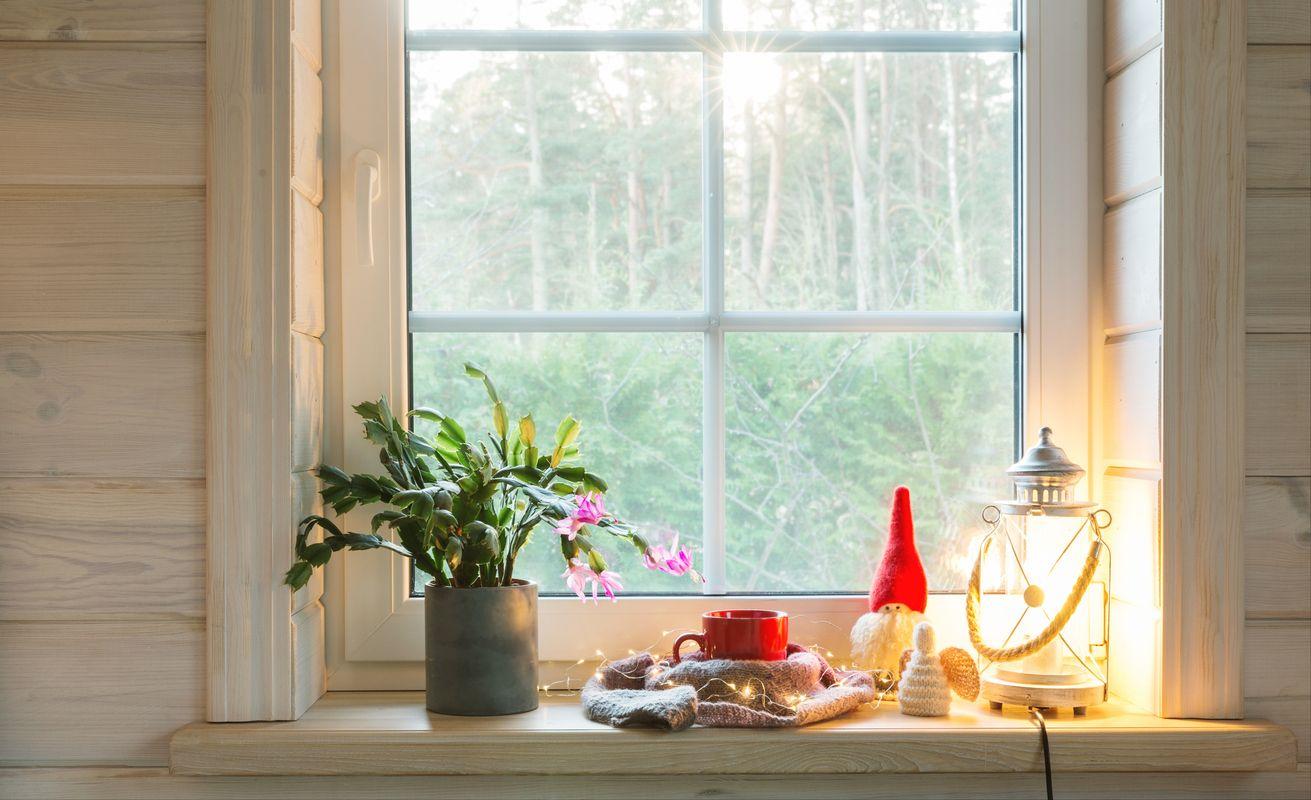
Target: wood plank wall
x=1131, y=352
x=102, y=374
x=1277, y=551
x=102, y=378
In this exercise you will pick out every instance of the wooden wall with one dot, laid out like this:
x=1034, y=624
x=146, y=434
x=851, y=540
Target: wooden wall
x=102, y=341
x=1277, y=544
x=102, y=378
x=1277, y=559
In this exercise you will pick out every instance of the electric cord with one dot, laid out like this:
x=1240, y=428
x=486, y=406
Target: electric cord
x=1046, y=748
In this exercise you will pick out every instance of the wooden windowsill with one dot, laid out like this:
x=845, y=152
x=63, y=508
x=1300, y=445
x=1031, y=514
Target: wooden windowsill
x=390, y=733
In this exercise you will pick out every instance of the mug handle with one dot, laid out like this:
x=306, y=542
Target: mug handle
x=688, y=637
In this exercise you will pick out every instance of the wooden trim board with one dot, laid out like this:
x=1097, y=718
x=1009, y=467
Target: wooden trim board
x=249, y=343
x=1202, y=364
x=157, y=784
x=107, y=783
x=265, y=361
x=390, y=733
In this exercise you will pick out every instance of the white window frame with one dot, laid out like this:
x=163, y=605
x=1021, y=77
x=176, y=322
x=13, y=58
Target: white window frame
x=377, y=620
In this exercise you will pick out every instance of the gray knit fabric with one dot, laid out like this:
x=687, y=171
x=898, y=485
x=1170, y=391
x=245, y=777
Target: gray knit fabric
x=638, y=691
x=617, y=699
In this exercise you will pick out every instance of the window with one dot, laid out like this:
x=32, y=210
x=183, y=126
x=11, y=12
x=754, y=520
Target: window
x=775, y=255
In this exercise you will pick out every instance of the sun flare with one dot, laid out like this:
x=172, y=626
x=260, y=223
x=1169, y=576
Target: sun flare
x=751, y=77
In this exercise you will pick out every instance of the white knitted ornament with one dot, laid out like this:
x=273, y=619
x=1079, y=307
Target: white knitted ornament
x=923, y=690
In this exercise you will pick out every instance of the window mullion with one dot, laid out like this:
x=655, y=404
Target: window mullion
x=712, y=281
x=630, y=321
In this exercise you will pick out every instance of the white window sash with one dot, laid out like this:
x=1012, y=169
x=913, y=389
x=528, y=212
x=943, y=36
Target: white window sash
x=382, y=620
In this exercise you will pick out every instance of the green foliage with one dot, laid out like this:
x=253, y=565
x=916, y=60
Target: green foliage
x=820, y=429
x=461, y=511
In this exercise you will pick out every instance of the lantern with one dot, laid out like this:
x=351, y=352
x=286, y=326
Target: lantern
x=1038, y=591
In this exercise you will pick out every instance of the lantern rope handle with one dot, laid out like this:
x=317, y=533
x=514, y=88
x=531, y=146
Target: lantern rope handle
x=1053, y=628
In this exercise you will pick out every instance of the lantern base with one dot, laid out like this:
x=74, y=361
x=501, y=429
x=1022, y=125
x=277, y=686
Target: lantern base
x=1071, y=695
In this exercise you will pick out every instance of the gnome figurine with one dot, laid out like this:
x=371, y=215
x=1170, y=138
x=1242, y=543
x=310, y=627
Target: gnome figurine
x=897, y=598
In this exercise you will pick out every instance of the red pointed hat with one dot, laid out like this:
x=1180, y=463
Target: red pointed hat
x=900, y=577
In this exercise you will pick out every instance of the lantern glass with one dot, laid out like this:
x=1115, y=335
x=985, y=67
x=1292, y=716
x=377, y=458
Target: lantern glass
x=1047, y=555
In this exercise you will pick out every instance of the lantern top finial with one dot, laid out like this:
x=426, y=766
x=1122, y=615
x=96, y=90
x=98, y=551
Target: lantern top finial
x=1045, y=474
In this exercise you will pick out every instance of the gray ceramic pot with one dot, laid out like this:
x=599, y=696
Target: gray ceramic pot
x=481, y=649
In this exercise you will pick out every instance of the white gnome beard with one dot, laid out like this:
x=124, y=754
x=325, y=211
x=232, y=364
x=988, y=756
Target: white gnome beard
x=879, y=638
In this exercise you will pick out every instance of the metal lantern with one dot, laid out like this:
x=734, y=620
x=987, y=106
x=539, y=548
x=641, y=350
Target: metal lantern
x=1039, y=590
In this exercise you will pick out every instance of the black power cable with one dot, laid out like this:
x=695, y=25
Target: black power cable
x=1046, y=749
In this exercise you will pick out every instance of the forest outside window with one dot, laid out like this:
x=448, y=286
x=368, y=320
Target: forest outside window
x=768, y=252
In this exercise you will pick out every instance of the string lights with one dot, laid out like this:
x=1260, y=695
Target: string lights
x=754, y=693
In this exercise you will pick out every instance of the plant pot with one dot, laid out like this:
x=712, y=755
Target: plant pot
x=481, y=649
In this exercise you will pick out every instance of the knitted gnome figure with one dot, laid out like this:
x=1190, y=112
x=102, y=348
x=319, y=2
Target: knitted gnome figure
x=923, y=691
x=897, y=598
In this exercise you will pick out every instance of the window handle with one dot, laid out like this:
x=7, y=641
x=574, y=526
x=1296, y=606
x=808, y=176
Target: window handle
x=368, y=190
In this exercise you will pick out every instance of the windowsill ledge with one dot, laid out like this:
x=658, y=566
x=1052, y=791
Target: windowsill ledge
x=390, y=733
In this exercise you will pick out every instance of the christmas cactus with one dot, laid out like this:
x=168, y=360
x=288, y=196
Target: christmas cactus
x=463, y=509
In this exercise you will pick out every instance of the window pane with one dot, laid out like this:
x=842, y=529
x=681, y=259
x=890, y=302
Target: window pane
x=822, y=428
x=932, y=15
x=565, y=14
x=638, y=397
x=869, y=181
x=555, y=181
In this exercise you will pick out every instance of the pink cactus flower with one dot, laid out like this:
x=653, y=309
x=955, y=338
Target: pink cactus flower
x=589, y=511
x=568, y=528
x=609, y=581
x=591, y=508
x=672, y=560
x=578, y=575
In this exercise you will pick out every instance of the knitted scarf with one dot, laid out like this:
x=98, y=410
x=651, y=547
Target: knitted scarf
x=639, y=691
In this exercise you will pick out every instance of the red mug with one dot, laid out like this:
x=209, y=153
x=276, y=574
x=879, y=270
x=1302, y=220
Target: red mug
x=740, y=634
